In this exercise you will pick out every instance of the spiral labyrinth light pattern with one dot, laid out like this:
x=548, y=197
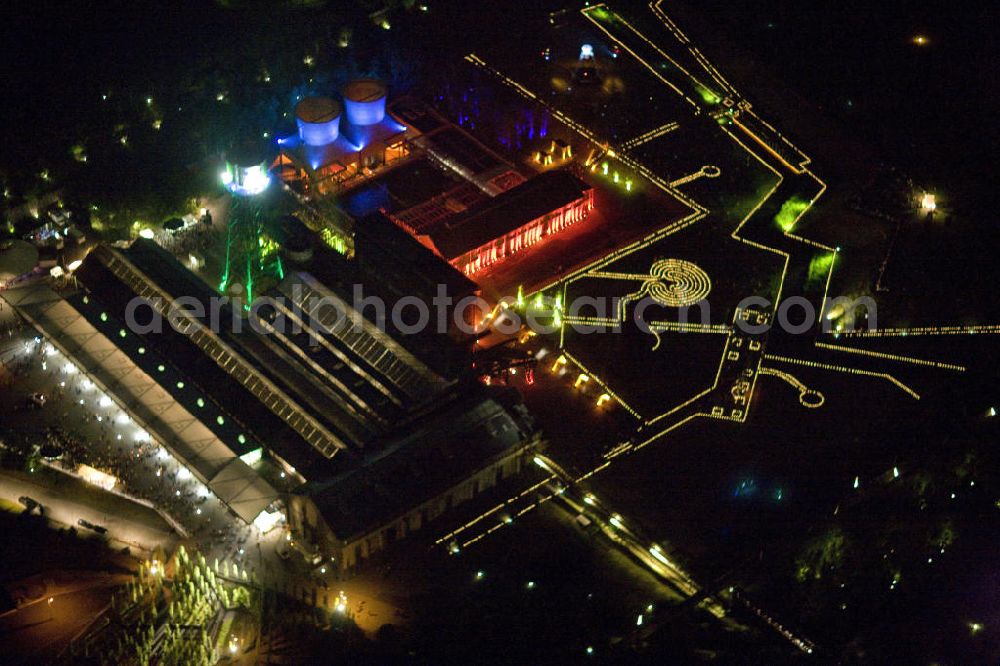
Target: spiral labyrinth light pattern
x=672, y=283
x=675, y=283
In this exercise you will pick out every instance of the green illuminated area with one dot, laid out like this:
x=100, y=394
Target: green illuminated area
x=790, y=212
x=269, y=255
x=601, y=12
x=253, y=260
x=334, y=241
x=819, y=267
x=707, y=95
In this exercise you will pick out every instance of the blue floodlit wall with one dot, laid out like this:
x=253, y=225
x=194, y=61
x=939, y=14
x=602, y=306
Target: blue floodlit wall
x=365, y=113
x=319, y=134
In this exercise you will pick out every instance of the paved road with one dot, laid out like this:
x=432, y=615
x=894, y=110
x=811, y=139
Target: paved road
x=67, y=500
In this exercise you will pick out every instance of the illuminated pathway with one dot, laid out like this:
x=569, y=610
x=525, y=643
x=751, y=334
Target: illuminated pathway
x=807, y=397
x=561, y=486
x=728, y=397
x=619, y=30
x=650, y=135
x=770, y=226
x=993, y=329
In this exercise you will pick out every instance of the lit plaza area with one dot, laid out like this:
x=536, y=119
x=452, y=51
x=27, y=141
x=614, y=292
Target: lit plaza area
x=445, y=332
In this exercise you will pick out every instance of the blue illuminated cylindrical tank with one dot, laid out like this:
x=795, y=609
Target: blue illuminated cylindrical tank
x=364, y=102
x=318, y=119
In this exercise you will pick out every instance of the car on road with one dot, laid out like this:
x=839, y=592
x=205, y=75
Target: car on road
x=31, y=504
x=37, y=400
x=91, y=526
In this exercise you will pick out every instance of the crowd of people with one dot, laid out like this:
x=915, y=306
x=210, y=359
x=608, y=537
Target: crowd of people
x=191, y=240
x=90, y=429
x=77, y=425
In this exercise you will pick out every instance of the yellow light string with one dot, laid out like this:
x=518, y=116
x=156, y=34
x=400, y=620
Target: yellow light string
x=893, y=357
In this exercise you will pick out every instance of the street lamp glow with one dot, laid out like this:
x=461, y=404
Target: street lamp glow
x=658, y=554
x=538, y=460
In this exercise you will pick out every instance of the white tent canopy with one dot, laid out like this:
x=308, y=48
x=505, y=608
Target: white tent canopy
x=242, y=489
x=188, y=439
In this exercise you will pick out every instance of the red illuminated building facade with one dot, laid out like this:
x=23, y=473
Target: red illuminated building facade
x=514, y=220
